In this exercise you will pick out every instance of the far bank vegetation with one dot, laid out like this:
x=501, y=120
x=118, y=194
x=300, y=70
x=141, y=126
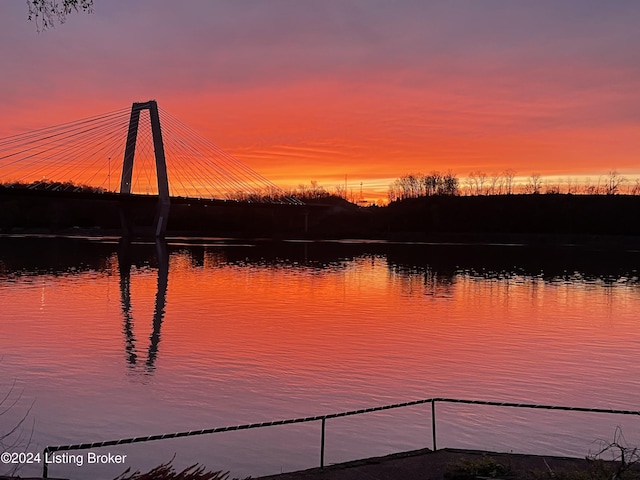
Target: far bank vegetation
x=507, y=182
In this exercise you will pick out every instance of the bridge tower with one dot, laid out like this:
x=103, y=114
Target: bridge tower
x=162, y=210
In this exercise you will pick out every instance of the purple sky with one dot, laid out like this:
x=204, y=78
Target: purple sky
x=303, y=90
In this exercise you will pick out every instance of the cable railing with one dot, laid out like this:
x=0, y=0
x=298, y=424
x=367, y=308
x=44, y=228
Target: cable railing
x=323, y=418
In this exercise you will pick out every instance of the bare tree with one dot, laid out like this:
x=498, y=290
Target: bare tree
x=495, y=184
x=599, y=186
x=509, y=174
x=419, y=185
x=476, y=182
x=482, y=178
x=552, y=188
x=450, y=184
x=302, y=190
x=535, y=183
x=433, y=183
x=45, y=12
x=404, y=187
x=14, y=438
x=614, y=182
x=572, y=186
x=472, y=184
x=591, y=189
x=615, y=458
x=412, y=185
x=392, y=193
x=317, y=190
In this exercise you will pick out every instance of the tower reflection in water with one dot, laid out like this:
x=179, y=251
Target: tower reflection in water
x=125, y=265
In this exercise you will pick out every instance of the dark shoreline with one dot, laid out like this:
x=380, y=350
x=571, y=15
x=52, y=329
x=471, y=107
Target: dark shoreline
x=499, y=218
x=629, y=242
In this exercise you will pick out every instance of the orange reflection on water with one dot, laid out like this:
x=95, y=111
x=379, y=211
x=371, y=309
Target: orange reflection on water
x=415, y=332
x=217, y=336
x=361, y=318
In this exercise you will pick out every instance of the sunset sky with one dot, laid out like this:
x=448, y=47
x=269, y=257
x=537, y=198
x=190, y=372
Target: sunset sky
x=370, y=89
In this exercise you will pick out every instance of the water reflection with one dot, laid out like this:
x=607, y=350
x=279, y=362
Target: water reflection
x=438, y=263
x=252, y=331
x=547, y=262
x=125, y=265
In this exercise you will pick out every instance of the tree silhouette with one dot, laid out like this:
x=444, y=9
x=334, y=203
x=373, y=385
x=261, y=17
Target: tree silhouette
x=614, y=182
x=13, y=437
x=535, y=184
x=509, y=174
x=45, y=12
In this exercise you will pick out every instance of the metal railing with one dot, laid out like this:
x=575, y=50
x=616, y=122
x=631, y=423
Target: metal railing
x=322, y=419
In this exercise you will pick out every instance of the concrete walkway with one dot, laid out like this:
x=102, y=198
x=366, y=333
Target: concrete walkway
x=428, y=465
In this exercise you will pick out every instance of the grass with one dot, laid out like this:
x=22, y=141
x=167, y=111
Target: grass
x=166, y=471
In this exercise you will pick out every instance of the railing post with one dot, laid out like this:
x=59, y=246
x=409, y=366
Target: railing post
x=45, y=466
x=322, y=443
x=433, y=423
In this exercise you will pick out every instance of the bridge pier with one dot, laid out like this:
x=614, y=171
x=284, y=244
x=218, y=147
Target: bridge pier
x=164, y=202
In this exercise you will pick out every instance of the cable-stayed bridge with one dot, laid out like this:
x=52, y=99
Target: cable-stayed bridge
x=130, y=152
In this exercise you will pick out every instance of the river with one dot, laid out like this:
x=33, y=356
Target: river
x=102, y=341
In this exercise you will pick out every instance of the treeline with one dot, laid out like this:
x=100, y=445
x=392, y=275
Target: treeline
x=419, y=185
x=313, y=191
x=304, y=193
x=507, y=183
x=54, y=186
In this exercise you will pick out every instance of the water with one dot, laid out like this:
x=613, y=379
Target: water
x=101, y=342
